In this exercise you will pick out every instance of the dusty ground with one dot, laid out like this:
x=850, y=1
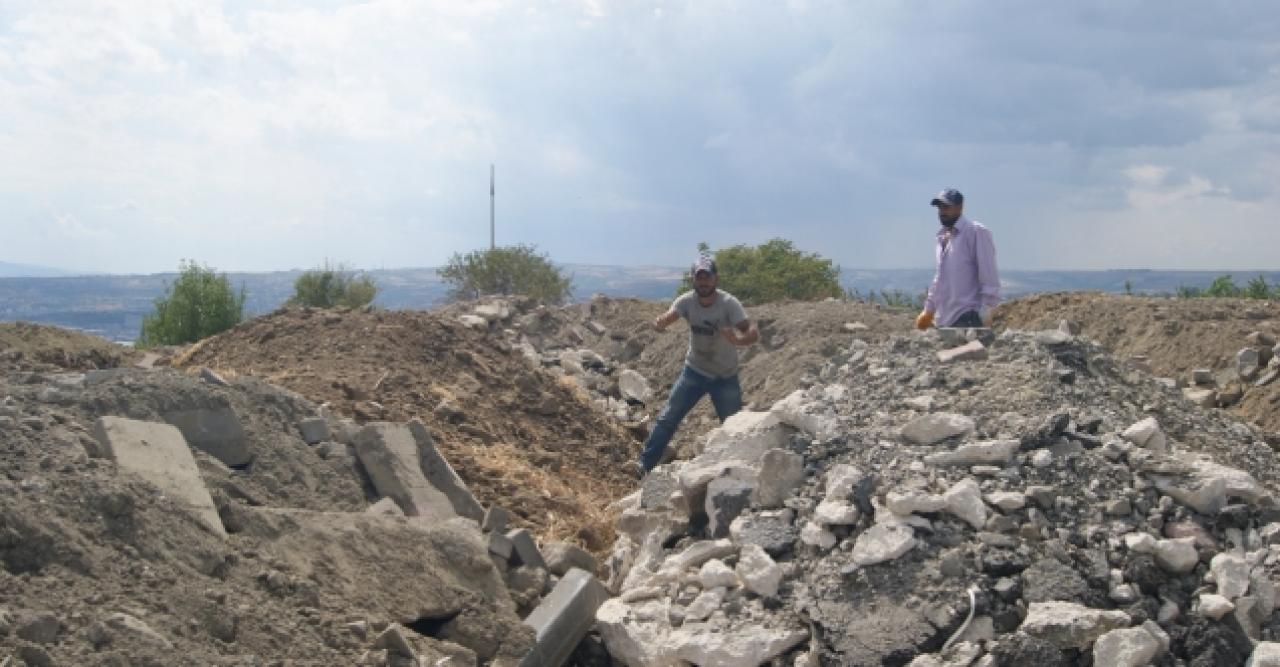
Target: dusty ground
x=28, y=346
x=1176, y=335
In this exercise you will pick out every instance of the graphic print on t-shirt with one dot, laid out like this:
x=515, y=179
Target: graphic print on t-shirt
x=707, y=328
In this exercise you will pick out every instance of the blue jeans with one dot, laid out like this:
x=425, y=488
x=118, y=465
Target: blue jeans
x=690, y=387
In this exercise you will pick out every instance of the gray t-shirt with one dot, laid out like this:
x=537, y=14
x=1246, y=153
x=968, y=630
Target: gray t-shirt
x=709, y=353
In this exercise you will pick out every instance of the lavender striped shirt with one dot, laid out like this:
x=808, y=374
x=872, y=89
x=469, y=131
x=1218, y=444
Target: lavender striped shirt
x=966, y=277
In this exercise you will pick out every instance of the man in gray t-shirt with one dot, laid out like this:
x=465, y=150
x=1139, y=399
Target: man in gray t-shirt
x=718, y=326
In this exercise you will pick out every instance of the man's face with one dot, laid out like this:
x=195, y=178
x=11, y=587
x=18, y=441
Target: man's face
x=704, y=283
x=949, y=213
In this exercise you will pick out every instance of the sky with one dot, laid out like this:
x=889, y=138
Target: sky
x=274, y=135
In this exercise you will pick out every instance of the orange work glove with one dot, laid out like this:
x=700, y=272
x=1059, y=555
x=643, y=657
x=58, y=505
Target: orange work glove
x=924, y=320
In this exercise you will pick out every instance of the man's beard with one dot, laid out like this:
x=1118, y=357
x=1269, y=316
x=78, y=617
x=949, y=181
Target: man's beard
x=705, y=291
x=948, y=222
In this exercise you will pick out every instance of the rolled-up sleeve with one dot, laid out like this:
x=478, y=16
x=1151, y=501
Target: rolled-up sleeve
x=988, y=274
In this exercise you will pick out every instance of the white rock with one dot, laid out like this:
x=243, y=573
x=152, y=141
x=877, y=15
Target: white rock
x=137, y=630
x=1129, y=647
x=1007, y=501
x=745, y=645
x=473, y=321
x=903, y=503
x=704, y=605
x=1203, y=397
x=633, y=386
x=1264, y=590
x=804, y=415
x=1231, y=574
x=815, y=535
x=930, y=429
x=746, y=436
x=990, y=452
x=883, y=542
x=1147, y=434
x=1177, y=555
x=781, y=472
x=835, y=513
x=1265, y=654
x=841, y=480
x=922, y=403
x=1215, y=606
x=1205, y=486
x=1042, y=458
x=698, y=553
x=964, y=499
x=715, y=574
x=1070, y=625
x=1141, y=543
x=758, y=572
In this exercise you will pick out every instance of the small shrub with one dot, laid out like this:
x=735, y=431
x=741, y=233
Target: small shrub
x=198, y=304
x=331, y=286
x=518, y=269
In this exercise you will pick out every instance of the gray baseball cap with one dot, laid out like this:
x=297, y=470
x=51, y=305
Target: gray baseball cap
x=949, y=197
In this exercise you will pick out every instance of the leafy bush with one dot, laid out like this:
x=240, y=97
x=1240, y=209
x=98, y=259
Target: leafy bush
x=773, y=271
x=1225, y=287
x=331, y=286
x=515, y=269
x=198, y=304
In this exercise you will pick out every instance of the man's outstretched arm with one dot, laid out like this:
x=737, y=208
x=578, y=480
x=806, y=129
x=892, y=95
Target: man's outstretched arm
x=661, y=322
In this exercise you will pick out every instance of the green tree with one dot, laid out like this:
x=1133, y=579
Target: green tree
x=198, y=304
x=1223, y=286
x=1257, y=289
x=1128, y=288
x=518, y=269
x=333, y=285
x=773, y=271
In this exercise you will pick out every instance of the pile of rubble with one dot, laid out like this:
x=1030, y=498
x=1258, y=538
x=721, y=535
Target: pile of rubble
x=150, y=517
x=1255, y=366
x=956, y=498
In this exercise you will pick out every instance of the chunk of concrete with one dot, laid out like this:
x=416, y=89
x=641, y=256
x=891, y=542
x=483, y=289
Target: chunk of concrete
x=990, y=452
x=389, y=453
x=974, y=350
x=634, y=387
x=564, y=617
x=1127, y=647
x=746, y=436
x=526, y=550
x=215, y=431
x=562, y=557
x=314, y=430
x=781, y=472
x=934, y=428
x=441, y=474
x=158, y=454
x=1068, y=625
x=883, y=542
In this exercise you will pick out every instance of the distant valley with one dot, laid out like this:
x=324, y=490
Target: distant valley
x=113, y=306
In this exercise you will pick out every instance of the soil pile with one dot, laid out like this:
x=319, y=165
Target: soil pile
x=1172, y=336
x=518, y=436
x=28, y=346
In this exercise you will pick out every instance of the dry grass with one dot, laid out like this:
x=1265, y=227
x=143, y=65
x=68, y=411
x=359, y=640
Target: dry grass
x=591, y=526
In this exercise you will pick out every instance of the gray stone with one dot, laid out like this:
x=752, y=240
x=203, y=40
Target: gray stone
x=495, y=519
x=1265, y=654
x=442, y=476
x=389, y=453
x=1043, y=496
x=758, y=572
x=772, y=531
x=1128, y=647
x=562, y=557
x=781, y=472
x=1178, y=555
x=1215, y=606
x=158, y=454
x=137, y=630
x=883, y=542
x=500, y=545
x=727, y=497
x=526, y=550
x=216, y=431
x=1247, y=363
x=564, y=617
x=314, y=430
x=1048, y=580
x=1067, y=625
x=1147, y=434
x=934, y=428
x=1231, y=574
x=208, y=375
x=964, y=500
x=1201, y=484
x=385, y=507
x=1202, y=376
x=39, y=627
x=1205, y=398
x=657, y=489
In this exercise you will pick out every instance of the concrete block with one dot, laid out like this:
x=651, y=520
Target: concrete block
x=526, y=550
x=563, y=556
x=564, y=617
x=495, y=519
x=314, y=430
x=500, y=545
x=158, y=454
x=389, y=454
x=442, y=476
x=216, y=431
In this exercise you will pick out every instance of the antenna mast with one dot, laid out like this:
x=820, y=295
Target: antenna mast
x=491, y=200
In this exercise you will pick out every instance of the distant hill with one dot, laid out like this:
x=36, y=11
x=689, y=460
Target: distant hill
x=12, y=270
x=112, y=306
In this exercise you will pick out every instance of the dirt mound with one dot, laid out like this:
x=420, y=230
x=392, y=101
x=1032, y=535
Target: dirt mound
x=518, y=436
x=38, y=347
x=1172, y=336
x=98, y=566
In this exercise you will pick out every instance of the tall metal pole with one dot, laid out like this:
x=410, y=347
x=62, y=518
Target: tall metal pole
x=491, y=199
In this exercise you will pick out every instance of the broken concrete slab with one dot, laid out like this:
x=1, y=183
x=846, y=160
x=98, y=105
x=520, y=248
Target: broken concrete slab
x=441, y=474
x=562, y=557
x=564, y=617
x=216, y=431
x=934, y=428
x=526, y=550
x=158, y=454
x=314, y=430
x=972, y=351
x=389, y=453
